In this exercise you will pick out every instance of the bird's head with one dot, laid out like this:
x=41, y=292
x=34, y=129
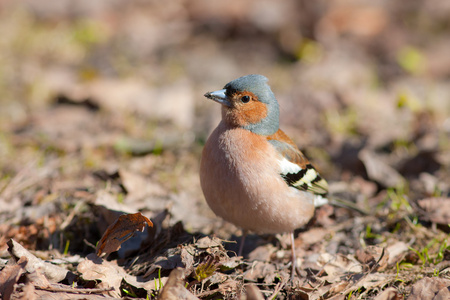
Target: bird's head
x=248, y=102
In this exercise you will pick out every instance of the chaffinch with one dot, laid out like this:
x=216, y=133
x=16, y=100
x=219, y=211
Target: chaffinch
x=252, y=174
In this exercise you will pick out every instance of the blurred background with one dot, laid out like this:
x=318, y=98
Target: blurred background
x=107, y=96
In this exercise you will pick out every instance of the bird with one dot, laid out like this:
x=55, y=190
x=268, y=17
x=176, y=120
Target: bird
x=251, y=173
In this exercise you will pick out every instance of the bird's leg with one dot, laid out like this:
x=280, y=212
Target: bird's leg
x=294, y=260
x=241, y=246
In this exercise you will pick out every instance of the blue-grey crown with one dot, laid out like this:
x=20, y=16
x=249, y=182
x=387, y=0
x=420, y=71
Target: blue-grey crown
x=257, y=84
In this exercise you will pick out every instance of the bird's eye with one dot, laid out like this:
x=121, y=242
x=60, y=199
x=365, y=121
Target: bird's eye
x=245, y=99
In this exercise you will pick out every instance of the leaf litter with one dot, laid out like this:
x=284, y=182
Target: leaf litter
x=105, y=125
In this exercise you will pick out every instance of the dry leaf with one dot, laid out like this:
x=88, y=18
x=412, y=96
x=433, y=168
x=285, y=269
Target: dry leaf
x=376, y=258
x=431, y=289
x=378, y=170
x=207, y=242
x=337, y=297
x=112, y=275
x=138, y=186
x=228, y=287
x=120, y=231
x=368, y=281
x=9, y=276
x=396, y=252
x=228, y=263
x=95, y=268
x=338, y=287
x=37, y=278
x=188, y=261
x=174, y=288
x=337, y=265
x=389, y=294
x=314, y=235
x=107, y=201
x=52, y=272
x=262, y=253
x=437, y=209
x=29, y=292
x=261, y=270
x=252, y=292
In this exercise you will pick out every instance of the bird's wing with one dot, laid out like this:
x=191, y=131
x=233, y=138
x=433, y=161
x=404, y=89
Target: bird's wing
x=296, y=170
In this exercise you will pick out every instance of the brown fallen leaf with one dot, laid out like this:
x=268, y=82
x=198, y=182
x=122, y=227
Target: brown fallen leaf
x=337, y=297
x=437, y=210
x=120, y=231
x=28, y=291
x=229, y=263
x=431, y=289
x=397, y=252
x=314, y=235
x=378, y=170
x=138, y=186
x=338, y=287
x=262, y=253
x=389, y=294
x=52, y=272
x=174, y=288
x=110, y=275
x=259, y=270
x=368, y=281
x=252, y=292
x=188, y=261
x=318, y=292
x=95, y=268
x=337, y=265
x=9, y=276
x=207, y=242
x=38, y=279
x=376, y=258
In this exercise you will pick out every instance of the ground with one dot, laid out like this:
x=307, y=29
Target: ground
x=102, y=114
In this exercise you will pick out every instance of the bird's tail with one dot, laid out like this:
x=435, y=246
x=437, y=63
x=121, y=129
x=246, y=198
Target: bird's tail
x=320, y=200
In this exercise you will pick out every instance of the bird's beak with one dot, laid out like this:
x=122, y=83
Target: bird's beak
x=219, y=97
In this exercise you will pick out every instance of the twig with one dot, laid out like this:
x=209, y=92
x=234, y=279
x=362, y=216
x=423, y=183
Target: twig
x=74, y=291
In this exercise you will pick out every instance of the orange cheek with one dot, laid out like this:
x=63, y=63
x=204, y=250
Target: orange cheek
x=253, y=112
x=245, y=114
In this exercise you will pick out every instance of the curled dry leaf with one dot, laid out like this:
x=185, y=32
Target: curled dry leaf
x=120, y=231
x=376, y=258
x=52, y=272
